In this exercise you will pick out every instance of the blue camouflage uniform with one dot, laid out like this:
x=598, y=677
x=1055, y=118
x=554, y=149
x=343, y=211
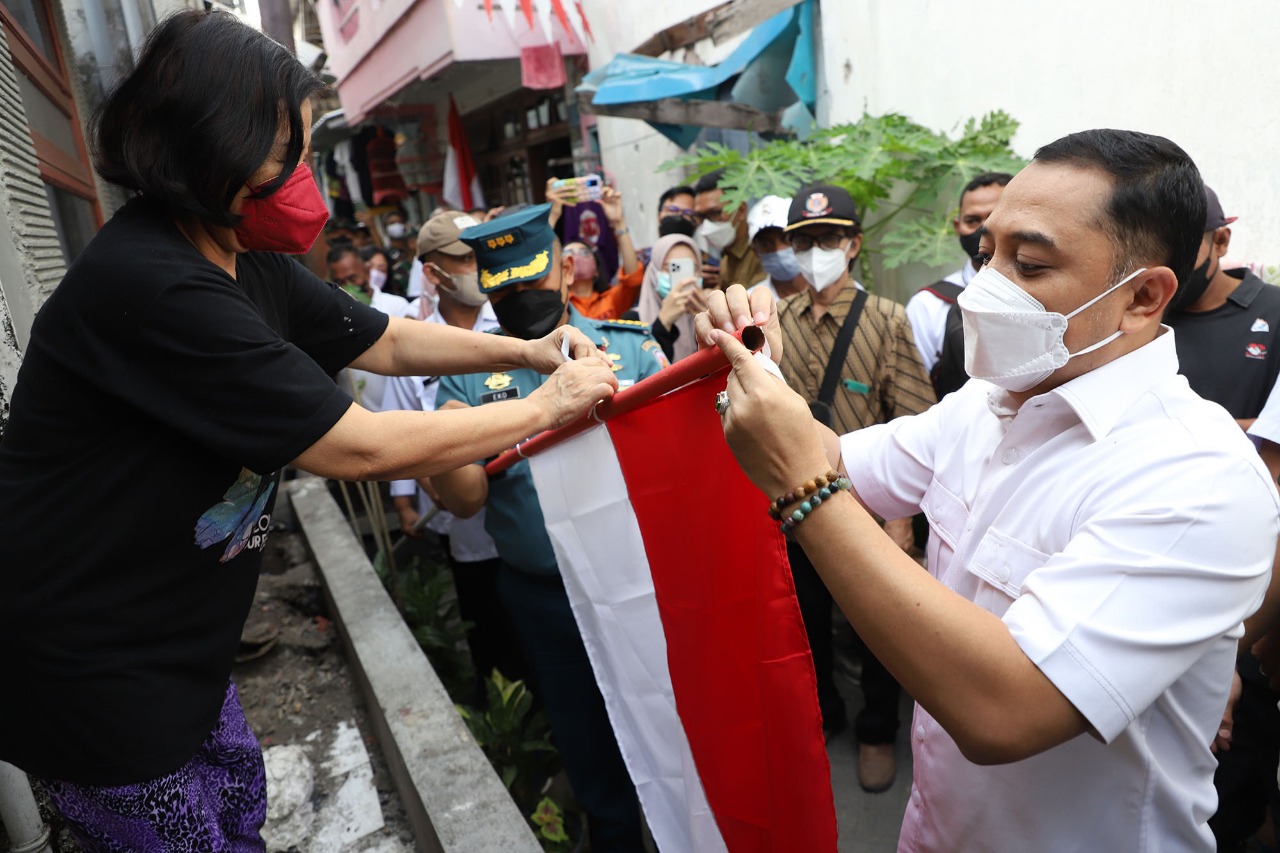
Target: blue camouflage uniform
x=509, y=250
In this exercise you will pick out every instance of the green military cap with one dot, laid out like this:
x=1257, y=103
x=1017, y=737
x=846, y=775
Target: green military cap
x=512, y=248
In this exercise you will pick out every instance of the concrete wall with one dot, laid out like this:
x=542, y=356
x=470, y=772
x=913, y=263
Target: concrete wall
x=1193, y=71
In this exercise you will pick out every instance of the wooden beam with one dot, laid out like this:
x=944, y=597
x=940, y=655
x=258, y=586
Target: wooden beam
x=680, y=35
x=725, y=114
x=718, y=24
x=731, y=19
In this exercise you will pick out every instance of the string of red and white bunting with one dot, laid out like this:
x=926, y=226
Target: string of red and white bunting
x=568, y=12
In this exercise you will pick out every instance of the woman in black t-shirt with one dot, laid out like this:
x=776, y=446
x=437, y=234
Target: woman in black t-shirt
x=182, y=362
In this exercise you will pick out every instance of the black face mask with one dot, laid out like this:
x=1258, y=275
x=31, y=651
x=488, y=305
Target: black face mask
x=675, y=225
x=1193, y=288
x=529, y=314
x=969, y=243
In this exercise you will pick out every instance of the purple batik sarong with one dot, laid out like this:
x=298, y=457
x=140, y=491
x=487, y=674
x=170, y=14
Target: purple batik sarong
x=215, y=802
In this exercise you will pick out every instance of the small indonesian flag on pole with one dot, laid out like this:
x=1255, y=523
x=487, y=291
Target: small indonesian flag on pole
x=680, y=586
x=461, y=183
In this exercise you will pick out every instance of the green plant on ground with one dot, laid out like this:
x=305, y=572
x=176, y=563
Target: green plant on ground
x=905, y=178
x=549, y=819
x=515, y=738
x=428, y=602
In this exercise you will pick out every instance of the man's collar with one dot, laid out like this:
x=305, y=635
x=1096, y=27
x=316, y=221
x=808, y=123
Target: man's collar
x=1101, y=397
x=967, y=272
x=839, y=307
x=1248, y=289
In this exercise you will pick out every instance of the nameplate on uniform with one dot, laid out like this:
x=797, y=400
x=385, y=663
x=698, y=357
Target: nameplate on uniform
x=510, y=393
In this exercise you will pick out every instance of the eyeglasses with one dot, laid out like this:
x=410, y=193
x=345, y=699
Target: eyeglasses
x=675, y=210
x=720, y=215
x=805, y=242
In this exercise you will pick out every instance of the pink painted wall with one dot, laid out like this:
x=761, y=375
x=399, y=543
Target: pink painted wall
x=377, y=47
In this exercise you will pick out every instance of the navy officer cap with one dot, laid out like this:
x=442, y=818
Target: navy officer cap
x=512, y=248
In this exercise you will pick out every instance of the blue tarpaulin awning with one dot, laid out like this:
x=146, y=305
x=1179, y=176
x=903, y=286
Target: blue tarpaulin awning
x=773, y=65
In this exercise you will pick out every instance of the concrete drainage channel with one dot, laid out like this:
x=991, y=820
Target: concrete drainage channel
x=450, y=793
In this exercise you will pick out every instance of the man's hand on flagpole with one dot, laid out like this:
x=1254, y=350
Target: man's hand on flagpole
x=573, y=389
x=547, y=353
x=735, y=309
x=768, y=426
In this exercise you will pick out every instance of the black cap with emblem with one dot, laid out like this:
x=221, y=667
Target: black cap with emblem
x=823, y=204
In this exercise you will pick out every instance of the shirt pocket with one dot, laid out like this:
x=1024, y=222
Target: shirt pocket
x=1004, y=562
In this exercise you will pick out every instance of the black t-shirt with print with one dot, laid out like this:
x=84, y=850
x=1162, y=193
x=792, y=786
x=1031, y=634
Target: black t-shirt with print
x=157, y=400
x=1231, y=355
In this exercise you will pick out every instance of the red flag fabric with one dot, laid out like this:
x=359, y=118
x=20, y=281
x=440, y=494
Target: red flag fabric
x=461, y=183
x=542, y=67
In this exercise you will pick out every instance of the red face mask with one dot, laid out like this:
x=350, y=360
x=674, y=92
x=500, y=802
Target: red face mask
x=288, y=221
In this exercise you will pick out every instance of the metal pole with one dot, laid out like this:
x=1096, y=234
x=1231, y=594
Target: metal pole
x=19, y=813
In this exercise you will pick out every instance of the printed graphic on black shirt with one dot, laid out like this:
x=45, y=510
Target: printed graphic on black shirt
x=239, y=516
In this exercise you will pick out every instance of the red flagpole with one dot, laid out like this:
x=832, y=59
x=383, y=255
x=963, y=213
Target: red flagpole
x=704, y=362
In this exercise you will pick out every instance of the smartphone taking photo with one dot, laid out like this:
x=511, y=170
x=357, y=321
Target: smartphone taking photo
x=681, y=270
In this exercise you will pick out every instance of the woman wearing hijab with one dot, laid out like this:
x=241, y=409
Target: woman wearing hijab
x=669, y=305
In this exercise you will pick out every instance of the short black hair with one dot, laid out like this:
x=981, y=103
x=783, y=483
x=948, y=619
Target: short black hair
x=200, y=113
x=709, y=182
x=340, y=251
x=367, y=253
x=986, y=179
x=1156, y=210
x=672, y=192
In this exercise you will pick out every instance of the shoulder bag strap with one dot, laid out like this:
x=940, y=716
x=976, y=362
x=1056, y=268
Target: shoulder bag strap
x=827, y=394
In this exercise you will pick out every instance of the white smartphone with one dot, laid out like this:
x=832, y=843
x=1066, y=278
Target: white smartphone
x=681, y=270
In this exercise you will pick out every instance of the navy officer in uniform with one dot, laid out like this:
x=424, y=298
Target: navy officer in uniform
x=527, y=279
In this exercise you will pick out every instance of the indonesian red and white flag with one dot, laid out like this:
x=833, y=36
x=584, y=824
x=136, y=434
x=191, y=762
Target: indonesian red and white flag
x=461, y=183
x=680, y=585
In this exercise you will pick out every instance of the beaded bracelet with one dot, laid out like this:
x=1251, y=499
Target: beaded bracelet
x=799, y=493
x=811, y=503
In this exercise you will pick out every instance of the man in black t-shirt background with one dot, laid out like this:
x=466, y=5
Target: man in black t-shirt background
x=1227, y=326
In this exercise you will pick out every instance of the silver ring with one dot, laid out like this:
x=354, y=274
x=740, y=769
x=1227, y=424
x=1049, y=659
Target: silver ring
x=722, y=403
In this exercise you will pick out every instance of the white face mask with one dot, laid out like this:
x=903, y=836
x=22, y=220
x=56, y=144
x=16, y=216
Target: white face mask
x=377, y=278
x=397, y=230
x=822, y=267
x=1009, y=337
x=714, y=237
x=466, y=287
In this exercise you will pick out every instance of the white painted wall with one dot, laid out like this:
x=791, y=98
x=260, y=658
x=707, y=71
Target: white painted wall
x=1200, y=73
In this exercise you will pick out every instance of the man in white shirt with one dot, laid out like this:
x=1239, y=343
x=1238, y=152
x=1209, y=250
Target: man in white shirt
x=927, y=310
x=1101, y=531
